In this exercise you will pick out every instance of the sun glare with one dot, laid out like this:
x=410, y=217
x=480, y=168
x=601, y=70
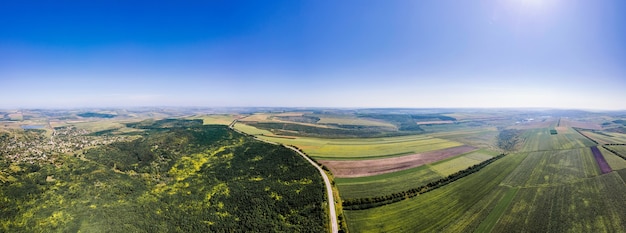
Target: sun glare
x=531, y=3
x=535, y=9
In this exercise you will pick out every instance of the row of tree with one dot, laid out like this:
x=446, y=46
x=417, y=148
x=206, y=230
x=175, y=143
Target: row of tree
x=371, y=202
x=614, y=152
x=591, y=139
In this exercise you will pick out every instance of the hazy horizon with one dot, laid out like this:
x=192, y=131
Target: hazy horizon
x=349, y=54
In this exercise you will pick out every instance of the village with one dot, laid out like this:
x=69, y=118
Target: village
x=35, y=146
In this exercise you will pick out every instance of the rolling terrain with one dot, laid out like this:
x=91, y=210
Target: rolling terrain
x=392, y=170
x=177, y=176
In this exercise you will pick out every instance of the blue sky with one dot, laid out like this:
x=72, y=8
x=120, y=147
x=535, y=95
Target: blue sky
x=372, y=53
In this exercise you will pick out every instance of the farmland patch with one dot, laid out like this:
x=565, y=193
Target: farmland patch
x=494, y=215
x=387, y=165
x=448, y=167
x=604, y=166
x=546, y=168
x=542, y=140
x=436, y=211
x=365, y=148
x=614, y=161
x=353, y=121
x=384, y=184
x=595, y=204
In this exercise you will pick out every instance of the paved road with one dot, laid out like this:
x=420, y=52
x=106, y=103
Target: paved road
x=329, y=189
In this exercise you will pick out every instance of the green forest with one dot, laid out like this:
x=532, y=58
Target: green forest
x=177, y=177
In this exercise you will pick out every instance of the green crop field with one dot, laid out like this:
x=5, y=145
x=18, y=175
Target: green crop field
x=606, y=138
x=458, y=163
x=489, y=222
x=252, y=130
x=595, y=204
x=554, y=186
x=546, y=168
x=435, y=210
x=132, y=171
x=485, y=138
x=614, y=161
x=365, y=147
x=541, y=140
x=619, y=149
x=384, y=184
x=380, y=185
x=620, y=136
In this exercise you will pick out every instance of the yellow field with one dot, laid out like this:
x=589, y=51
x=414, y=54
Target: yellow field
x=448, y=167
x=251, y=130
x=607, y=138
x=260, y=117
x=614, y=161
x=365, y=147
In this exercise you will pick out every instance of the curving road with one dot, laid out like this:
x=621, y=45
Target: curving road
x=329, y=189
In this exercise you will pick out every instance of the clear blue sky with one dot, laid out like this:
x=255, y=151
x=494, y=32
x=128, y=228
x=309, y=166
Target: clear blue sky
x=317, y=53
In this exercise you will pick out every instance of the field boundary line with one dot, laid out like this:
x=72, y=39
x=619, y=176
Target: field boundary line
x=372, y=202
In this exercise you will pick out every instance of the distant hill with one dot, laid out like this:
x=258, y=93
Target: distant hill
x=95, y=114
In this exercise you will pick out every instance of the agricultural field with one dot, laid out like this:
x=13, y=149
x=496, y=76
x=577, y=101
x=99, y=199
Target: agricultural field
x=384, y=184
x=602, y=163
x=619, y=149
x=436, y=210
x=605, y=137
x=258, y=117
x=369, y=167
x=447, y=167
x=616, y=162
x=541, y=140
x=482, y=138
x=550, y=168
x=553, y=184
x=348, y=123
x=582, y=123
x=251, y=130
x=595, y=204
x=394, y=170
x=342, y=120
x=395, y=182
x=365, y=148
x=96, y=126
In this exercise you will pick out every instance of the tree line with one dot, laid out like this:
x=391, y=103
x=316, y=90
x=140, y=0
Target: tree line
x=371, y=202
x=613, y=151
x=591, y=139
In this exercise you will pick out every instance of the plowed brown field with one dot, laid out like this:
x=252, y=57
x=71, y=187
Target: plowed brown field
x=359, y=168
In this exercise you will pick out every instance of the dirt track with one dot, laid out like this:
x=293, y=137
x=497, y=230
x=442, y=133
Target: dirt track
x=358, y=168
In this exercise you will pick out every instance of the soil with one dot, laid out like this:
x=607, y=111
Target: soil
x=359, y=168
